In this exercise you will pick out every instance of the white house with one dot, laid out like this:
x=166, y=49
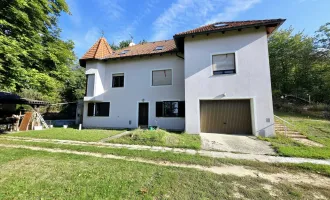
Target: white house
x=214, y=79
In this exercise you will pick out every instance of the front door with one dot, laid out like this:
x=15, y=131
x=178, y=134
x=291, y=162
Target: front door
x=143, y=114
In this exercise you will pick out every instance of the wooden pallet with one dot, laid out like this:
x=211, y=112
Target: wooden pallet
x=26, y=121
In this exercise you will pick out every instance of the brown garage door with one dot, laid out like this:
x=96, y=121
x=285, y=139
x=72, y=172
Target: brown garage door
x=225, y=116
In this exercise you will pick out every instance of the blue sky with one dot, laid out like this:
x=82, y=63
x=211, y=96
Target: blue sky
x=155, y=20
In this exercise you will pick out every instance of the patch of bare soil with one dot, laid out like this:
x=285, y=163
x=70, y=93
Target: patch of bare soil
x=308, y=142
x=305, y=178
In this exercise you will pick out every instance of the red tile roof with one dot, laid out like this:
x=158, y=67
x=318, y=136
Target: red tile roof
x=232, y=25
x=145, y=49
x=101, y=49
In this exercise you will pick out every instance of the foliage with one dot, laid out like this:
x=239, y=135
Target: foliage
x=315, y=130
x=122, y=44
x=300, y=64
x=32, y=56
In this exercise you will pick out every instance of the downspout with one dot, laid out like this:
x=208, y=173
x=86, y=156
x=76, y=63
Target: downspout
x=179, y=56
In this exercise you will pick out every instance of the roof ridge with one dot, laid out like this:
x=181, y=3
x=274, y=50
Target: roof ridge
x=97, y=48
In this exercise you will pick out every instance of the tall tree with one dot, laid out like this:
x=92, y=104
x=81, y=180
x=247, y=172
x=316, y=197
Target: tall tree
x=32, y=55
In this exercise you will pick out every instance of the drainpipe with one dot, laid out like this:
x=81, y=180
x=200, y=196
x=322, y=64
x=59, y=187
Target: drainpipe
x=179, y=56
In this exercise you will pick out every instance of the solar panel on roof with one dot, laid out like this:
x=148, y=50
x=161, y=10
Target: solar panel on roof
x=220, y=25
x=159, y=48
x=124, y=52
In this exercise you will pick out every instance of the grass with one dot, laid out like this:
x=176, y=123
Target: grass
x=27, y=174
x=315, y=130
x=180, y=157
x=160, y=138
x=87, y=135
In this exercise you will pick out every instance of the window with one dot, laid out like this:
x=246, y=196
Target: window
x=98, y=109
x=159, y=48
x=118, y=80
x=90, y=85
x=124, y=52
x=170, y=109
x=162, y=77
x=220, y=25
x=224, y=63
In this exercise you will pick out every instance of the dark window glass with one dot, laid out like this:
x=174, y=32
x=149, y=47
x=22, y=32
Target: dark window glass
x=182, y=109
x=170, y=109
x=90, y=110
x=159, y=109
x=102, y=109
x=118, y=80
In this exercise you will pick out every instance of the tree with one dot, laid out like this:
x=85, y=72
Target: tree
x=298, y=65
x=143, y=41
x=122, y=44
x=32, y=55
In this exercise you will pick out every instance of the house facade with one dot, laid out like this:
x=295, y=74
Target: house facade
x=213, y=79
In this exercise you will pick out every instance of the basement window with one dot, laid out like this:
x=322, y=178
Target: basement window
x=223, y=64
x=98, y=109
x=170, y=109
x=158, y=48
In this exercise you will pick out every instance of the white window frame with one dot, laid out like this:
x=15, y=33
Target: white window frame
x=222, y=53
x=112, y=80
x=161, y=70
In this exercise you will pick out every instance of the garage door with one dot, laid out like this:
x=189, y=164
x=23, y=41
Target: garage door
x=225, y=116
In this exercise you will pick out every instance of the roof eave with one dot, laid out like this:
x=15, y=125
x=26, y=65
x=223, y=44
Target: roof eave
x=179, y=39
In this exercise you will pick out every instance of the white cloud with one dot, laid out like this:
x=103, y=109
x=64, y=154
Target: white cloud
x=129, y=29
x=232, y=10
x=75, y=14
x=92, y=35
x=112, y=9
x=194, y=13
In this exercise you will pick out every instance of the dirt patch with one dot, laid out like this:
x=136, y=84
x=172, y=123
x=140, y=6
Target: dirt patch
x=308, y=142
x=306, y=178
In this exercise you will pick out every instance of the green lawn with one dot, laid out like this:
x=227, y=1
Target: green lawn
x=160, y=138
x=179, y=157
x=316, y=130
x=27, y=174
x=88, y=135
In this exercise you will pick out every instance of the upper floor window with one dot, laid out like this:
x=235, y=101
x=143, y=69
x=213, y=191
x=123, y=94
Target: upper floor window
x=90, y=85
x=162, y=77
x=118, y=80
x=98, y=109
x=224, y=63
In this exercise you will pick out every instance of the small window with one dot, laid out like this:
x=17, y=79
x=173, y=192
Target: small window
x=90, y=85
x=162, y=77
x=224, y=64
x=124, y=52
x=159, y=48
x=170, y=109
x=118, y=80
x=99, y=109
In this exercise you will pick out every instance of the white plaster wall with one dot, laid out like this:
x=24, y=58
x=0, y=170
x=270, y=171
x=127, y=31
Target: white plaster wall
x=252, y=80
x=137, y=86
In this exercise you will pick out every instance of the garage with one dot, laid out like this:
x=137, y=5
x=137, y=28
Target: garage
x=226, y=116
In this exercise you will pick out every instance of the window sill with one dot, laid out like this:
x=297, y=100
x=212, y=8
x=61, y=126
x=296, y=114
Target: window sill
x=224, y=72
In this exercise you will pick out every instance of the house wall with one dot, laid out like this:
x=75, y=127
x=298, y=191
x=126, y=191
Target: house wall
x=251, y=81
x=137, y=88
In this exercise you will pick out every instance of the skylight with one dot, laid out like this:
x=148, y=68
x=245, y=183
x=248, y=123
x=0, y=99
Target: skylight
x=159, y=48
x=220, y=25
x=124, y=52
